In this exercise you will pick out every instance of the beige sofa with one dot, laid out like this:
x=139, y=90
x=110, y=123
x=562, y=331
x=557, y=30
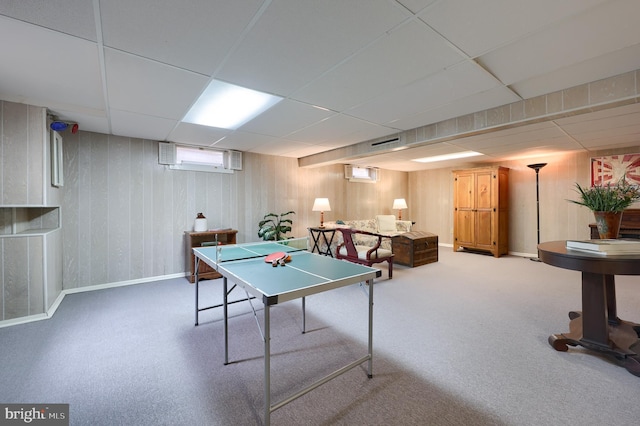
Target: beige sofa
x=381, y=224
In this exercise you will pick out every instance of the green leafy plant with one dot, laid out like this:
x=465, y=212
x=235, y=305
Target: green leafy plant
x=608, y=198
x=274, y=226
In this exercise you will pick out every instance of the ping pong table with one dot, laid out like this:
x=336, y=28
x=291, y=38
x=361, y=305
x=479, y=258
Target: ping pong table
x=304, y=275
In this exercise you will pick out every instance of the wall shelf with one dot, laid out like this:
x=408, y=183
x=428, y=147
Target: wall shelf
x=16, y=221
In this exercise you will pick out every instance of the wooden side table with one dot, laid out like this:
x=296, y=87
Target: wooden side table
x=206, y=238
x=597, y=326
x=318, y=235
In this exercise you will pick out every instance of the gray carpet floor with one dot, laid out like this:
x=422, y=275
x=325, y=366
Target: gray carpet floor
x=458, y=342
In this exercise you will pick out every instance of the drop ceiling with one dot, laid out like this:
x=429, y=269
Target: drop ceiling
x=349, y=71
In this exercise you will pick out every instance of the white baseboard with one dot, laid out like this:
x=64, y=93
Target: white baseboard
x=23, y=320
x=123, y=283
x=512, y=253
x=54, y=306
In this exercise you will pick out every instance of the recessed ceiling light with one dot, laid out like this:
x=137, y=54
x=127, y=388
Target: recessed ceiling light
x=445, y=157
x=228, y=106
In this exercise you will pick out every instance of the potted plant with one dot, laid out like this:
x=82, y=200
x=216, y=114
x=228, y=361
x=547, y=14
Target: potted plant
x=273, y=226
x=607, y=202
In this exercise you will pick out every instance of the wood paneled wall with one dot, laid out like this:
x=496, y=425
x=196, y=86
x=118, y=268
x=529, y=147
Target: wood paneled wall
x=124, y=215
x=431, y=195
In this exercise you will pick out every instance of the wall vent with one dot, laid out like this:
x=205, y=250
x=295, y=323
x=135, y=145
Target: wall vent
x=385, y=142
x=166, y=153
x=233, y=160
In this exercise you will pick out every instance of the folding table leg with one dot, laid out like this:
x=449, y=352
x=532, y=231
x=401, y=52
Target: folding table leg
x=267, y=365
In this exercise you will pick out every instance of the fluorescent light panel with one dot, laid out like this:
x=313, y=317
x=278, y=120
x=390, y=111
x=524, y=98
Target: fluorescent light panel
x=445, y=157
x=228, y=106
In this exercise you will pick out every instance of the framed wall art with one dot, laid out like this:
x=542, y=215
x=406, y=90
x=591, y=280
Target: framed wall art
x=610, y=168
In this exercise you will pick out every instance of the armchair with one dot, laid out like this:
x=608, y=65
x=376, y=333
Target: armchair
x=365, y=255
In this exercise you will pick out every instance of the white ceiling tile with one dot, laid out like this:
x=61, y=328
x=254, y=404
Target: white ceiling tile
x=73, y=17
x=580, y=125
x=144, y=86
x=286, y=148
x=368, y=132
x=286, y=117
x=606, y=142
x=432, y=150
x=416, y=5
x=194, y=134
x=405, y=55
x=604, y=66
x=337, y=130
x=515, y=131
x=627, y=129
x=370, y=57
x=600, y=31
x=302, y=150
x=403, y=160
x=35, y=63
x=244, y=141
x=606, y=128
x=196, y=35
x=125, y=123
x=559, y=143
x=599, y=117
x=524, y=135
x=457, y=82
x=317, y=35
x=476, y=102
x=632, y=131
x=480, y=26
x=260, y=144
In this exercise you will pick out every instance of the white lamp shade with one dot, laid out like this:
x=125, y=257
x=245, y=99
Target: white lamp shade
x=399, y=203
x=321, y=205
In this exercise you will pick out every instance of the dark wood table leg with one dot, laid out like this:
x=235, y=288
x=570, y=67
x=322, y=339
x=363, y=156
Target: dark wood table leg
x=598, y=327
x=595, y=328
x=610, y=293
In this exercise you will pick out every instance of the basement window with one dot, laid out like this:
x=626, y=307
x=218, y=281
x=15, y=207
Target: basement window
x=361, y=174
x=199, y=159
x=191, y=155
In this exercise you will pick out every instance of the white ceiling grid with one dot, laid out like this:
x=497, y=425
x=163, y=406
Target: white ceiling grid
x=349, y=71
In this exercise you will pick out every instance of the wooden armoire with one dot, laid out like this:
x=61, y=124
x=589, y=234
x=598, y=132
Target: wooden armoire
x=481, y=210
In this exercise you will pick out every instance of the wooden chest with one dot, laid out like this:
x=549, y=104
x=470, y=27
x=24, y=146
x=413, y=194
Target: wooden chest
x=415, y=248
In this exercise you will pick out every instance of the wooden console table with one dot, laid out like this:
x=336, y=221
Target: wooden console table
x=206, y=238
x=597, y=326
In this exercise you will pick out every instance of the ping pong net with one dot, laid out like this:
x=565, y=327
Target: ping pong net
x=245, y=251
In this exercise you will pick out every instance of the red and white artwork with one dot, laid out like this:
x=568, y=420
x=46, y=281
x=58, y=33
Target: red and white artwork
x=611, y=168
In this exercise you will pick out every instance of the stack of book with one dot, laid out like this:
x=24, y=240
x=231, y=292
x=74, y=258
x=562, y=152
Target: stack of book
x=618, y=246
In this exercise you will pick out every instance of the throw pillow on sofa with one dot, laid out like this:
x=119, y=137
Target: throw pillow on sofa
x=386, y=223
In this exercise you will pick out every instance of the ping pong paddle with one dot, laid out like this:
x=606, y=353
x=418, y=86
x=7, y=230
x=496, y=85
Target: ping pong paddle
x=275, y=258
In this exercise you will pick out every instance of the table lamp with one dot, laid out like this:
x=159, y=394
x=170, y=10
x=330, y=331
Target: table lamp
x=399, y=204
x=321, y=205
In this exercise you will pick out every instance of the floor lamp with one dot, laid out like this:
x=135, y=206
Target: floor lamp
x=537, y=168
